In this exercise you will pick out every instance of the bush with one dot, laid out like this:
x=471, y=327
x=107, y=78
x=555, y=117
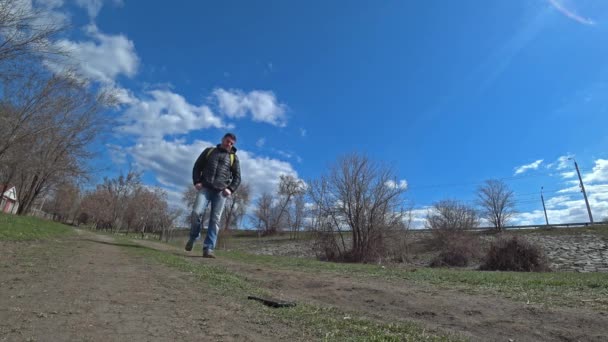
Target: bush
x=449, y=219
x=397, y=246
x=459, y=252
x=514, y=254
x=326, y=246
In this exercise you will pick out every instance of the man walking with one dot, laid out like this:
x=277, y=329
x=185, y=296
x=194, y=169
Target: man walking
x=216, y=175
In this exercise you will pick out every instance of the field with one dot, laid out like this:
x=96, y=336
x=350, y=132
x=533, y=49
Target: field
x=61, y=283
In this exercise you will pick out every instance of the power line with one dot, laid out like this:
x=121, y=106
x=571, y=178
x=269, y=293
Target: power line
x=516, y=202
x=430, y=186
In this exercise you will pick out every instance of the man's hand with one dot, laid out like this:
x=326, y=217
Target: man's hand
x=226, y=192
x=198, y=186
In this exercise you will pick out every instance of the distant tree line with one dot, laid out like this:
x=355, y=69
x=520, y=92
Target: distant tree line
x=122, y=204
x=357, y=212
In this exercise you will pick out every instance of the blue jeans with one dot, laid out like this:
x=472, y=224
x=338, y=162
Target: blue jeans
x=203, y=198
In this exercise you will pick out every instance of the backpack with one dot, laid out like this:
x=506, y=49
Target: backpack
x=213, y=148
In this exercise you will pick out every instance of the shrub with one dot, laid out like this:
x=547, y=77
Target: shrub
x=458, y=252
x=514, y=254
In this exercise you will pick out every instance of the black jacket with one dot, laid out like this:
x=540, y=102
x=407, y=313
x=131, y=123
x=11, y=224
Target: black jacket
x=215, y=171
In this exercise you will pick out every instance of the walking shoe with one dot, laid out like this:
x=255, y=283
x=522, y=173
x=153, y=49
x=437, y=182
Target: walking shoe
x=189, y=245
x=208, y=254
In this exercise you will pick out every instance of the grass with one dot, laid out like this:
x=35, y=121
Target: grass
x=553, y=288
x=19, y=228
x=322, y=323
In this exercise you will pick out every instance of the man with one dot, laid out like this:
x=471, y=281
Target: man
x=216, y=175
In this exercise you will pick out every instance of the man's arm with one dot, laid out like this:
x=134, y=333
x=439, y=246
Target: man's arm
x=236, y=175
x=198, y=167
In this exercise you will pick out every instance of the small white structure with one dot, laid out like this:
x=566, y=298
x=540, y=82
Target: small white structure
x=8, y=201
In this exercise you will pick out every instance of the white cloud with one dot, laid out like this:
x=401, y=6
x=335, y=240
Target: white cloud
x=599, y=172
x=568, y=174
x=260, y=142
x=569, y=205
x=303, y=132
x=262, y=105
x=419, y=217
x=561, y=163
x=284, y=154
x=575, y=188
x=555, y=202
x=45, y=14
x=566, y=209
x=49, y=3
x=117, y=154
x=92, y=6
x=103, y=58
x=122, y=96
x=570, y=13
x=166, y=113
x=393, y=185
x=531, y=166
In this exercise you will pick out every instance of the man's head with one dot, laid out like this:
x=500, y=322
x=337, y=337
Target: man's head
x=228, y=141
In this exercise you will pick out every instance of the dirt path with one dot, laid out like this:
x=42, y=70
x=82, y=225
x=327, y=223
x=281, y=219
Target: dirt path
x=480, y=317
x=88, y=288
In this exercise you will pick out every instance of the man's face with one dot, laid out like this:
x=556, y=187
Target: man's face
x=227, y=143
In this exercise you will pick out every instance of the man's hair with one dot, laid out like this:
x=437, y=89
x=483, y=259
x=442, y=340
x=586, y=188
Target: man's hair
x=231, y=135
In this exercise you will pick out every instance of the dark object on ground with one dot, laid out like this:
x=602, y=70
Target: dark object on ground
x=273, y=303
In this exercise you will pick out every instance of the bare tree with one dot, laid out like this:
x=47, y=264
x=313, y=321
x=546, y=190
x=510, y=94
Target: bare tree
x=172, y=217
x=497, y=202
x=97, y=208
x=296, y=215
x=290, y=188
x=358, y=197
x=448, y=218
x=273, y=212
x=123, y=203
x=237, y=207
x=398, y=238
x=54, y=138
x=65, y=202
x=263, y=212
x=234, y=210
x=189, y=196
x=26, y=34
x=119, y=191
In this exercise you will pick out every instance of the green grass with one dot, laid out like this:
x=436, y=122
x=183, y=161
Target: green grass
x=18, y=228
x=321, y=323
x=553, y=288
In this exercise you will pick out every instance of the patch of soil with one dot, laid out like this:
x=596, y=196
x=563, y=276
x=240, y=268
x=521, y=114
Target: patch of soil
x=88, y=288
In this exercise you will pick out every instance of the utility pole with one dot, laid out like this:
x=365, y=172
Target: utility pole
x=542, y=198
x=583, y=190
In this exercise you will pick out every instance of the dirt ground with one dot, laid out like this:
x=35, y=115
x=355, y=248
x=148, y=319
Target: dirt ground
x=89, y=288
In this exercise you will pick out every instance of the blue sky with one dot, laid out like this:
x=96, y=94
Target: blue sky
x=450, y=93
